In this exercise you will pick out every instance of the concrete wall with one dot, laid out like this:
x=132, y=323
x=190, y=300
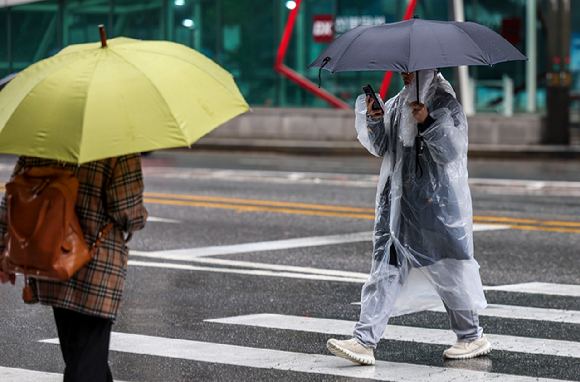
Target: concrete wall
x=331, y=126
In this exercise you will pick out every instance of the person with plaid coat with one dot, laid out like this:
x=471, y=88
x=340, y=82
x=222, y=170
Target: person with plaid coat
x=85, y=307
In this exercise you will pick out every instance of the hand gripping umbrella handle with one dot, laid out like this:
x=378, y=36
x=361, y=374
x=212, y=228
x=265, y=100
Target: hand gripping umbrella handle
x=417, y=81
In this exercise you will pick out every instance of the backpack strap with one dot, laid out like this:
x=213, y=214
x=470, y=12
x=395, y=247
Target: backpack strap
x=101, y=236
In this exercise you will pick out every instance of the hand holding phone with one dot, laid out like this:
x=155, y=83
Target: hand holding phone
x=370, y=93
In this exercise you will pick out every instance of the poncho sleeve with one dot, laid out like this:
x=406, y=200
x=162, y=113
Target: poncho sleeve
x=373, y=133
x=446, y=137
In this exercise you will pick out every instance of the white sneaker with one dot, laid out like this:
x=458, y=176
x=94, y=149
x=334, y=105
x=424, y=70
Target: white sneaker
x=464, y=350
x=351, y=350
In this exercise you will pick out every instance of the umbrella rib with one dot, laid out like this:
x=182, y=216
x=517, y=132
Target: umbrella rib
x=188, y=62
x=348, y=46
x=440, y=44
x=158, y=92
x=476, y=45
x=86, y=99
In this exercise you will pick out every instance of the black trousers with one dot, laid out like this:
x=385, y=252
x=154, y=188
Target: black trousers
x=84, y=342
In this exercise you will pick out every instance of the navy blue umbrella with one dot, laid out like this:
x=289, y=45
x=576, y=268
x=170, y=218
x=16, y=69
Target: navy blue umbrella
x=4, y=81
x=411, y=45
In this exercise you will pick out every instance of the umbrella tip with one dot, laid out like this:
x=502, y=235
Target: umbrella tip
x=103, y=36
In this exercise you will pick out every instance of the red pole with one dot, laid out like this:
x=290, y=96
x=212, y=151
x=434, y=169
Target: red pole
x=387, y=78
x=295, y=77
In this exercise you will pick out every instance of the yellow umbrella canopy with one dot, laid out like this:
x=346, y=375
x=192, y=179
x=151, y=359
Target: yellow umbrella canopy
x=100, y=100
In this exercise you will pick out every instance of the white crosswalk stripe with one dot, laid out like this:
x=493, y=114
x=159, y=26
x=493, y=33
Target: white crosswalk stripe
x=527, y=313
x=275, y=245
x=523, y=313
x=405, y=333
x=540, y=288
x=299, y=362
x=9, y=374
x=22, y=375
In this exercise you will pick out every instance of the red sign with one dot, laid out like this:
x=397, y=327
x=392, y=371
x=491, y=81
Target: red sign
x=511, y=30
x=323, y=28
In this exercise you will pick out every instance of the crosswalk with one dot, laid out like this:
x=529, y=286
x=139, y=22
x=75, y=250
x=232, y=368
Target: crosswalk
x=291, y=361
x=263, y=356
x=325, y=364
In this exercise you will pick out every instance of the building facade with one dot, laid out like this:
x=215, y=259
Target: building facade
x=244, y=37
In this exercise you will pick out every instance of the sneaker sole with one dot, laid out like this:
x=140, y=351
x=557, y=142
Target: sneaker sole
x=347, y=354
x=479, y=352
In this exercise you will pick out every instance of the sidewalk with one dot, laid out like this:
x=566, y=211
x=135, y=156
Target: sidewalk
x=331, y=132
x=311, y=147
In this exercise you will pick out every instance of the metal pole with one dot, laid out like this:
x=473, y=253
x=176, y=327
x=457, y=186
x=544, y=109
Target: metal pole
x=557, y=129
x=197, y=16
x=60, y=24
x=219, y=26
x=9, y=39
x=532, y=53
x=465, y=100
x=170, y=19
x=111, y=17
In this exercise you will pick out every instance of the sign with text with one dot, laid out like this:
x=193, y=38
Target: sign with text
x=345, y=23
x=323, y=28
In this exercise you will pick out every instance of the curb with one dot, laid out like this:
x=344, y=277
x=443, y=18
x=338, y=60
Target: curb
x=347, y=148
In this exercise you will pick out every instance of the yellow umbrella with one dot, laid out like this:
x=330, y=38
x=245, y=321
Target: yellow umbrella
x=100, y=100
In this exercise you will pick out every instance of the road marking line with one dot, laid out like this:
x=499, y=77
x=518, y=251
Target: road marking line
x=526, y=313
x=23, y=375
x=274, y=245
x=326, y=210
x=521, y=313
x=258, y=202
x=405, y=333
x=162, y=220
x=314, y=241
x=246, y=272
x=529, y=221
x=299, y=362
x=345, y=276
x=550, y=229
x=539, y=288
x=489, y=227
x=272, y=267
x=240, y=207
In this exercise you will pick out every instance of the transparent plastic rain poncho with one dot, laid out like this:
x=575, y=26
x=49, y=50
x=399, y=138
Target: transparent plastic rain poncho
x=423, y=209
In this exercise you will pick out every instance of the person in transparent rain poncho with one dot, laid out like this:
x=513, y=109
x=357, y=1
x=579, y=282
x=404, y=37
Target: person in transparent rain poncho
x=423, y=235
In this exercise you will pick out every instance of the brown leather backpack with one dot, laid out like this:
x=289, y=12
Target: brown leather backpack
x=44, y=239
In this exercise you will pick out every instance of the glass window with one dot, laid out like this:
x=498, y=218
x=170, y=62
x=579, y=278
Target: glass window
x=138, y=19
x=33, y=32
x=81, y=21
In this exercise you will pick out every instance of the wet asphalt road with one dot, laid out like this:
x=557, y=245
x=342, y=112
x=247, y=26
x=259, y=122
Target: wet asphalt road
x=174, y=303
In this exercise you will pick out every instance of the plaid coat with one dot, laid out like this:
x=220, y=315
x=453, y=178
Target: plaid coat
x=110, y=190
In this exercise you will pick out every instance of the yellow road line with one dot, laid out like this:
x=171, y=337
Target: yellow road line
x=529, y=221
x=536, y=227
x=337, y=211
x=258, y=202
x=258, y=208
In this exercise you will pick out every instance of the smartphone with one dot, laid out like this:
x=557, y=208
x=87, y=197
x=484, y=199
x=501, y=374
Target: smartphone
x=369, y=92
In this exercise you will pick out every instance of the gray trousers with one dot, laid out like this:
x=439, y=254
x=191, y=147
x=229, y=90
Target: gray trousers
x=376, y=311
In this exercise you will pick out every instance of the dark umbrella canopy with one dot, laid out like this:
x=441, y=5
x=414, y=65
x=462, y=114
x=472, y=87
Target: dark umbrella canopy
x=4, y=81
x=408, y=46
